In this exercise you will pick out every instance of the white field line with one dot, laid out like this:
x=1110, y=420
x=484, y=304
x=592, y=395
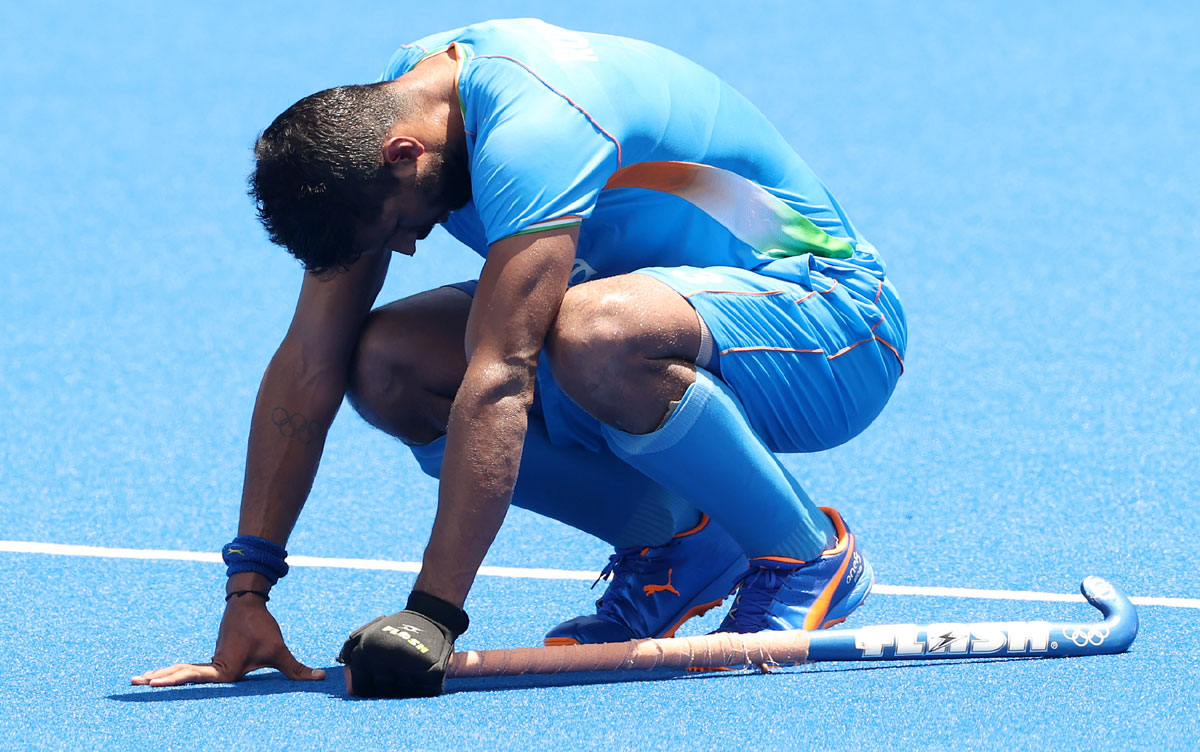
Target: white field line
x=149, y=554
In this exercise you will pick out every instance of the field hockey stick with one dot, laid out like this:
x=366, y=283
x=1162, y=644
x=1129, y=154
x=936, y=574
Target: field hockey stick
x=781, y=648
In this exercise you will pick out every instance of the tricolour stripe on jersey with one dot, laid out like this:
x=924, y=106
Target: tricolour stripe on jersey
x=752, y=214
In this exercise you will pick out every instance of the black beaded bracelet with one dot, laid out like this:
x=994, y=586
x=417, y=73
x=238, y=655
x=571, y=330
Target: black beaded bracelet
x=240, y=593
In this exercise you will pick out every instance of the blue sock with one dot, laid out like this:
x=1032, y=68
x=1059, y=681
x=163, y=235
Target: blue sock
x=590, y=491
x=707, y=452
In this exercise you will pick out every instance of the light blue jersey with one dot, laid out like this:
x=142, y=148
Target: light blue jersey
x=669, y=172
x=656, y=160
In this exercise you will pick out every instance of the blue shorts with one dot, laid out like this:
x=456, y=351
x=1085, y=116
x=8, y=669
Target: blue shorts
x=813, y=348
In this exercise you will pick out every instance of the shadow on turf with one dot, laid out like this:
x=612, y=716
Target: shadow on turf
x=334, y=685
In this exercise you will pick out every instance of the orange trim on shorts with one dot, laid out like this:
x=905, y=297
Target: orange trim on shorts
x=821, y=292
x=839, y=353
x=819, y=351
x=735, y=292
x=895, y=352
x=770, y=349
x=848, y=348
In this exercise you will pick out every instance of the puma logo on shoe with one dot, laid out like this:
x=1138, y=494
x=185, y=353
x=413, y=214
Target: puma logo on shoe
x=652, y=589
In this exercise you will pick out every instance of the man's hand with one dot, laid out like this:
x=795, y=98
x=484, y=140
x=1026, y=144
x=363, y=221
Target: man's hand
x=405, y=654
x=249, y=639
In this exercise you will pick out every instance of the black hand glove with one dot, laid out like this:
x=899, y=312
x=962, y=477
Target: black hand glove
x=405, y=654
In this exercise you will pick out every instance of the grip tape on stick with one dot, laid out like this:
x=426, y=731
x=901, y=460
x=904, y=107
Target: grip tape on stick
x=725, y=650
x=874, y=643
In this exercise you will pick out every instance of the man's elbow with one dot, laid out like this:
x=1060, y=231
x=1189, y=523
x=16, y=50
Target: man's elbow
x=498, y=383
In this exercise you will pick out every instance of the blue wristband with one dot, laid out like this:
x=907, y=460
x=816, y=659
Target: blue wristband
x=249, y=553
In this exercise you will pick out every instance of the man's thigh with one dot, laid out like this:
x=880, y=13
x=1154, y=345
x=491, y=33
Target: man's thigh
x=810, y=357
x=813, y=358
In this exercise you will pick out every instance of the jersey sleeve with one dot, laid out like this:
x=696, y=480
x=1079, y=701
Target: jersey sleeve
x=539, y=160
x=464, y=225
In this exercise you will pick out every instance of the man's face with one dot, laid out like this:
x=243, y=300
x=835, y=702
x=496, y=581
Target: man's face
x=407, y=216
x=415, y=205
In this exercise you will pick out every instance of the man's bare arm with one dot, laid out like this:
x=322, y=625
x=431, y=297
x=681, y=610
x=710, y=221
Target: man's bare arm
x=299, y=396
x=519, y=293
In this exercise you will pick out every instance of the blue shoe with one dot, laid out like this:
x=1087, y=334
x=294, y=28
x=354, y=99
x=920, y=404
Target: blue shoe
x=655, y=590
x=778, y=593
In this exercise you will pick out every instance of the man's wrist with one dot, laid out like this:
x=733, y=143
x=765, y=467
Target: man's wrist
x=247, y=581
x=441, y=611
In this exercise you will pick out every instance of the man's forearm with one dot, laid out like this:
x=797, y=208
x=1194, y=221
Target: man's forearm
x=483, y=454
x=292, y=415
x=520, y=290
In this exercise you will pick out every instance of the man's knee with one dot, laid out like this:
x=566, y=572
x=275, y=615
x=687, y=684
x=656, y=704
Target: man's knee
x=408, y=363
x=621, y=348
x=591, y=345
x=382, y=372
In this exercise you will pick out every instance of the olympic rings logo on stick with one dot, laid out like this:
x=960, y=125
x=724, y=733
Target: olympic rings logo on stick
x=1082, y=636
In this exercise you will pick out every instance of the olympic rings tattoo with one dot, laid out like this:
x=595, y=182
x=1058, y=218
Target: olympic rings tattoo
x=292, y=425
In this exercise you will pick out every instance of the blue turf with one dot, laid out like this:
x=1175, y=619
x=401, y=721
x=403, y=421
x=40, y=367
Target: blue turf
x=159, y=613
x=1029, y=171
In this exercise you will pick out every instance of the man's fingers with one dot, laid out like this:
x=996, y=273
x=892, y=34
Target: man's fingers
x=187, y=675
x=294, y=669
x=207, y=673
x=145, y=678
x=180, y=673
x=159, y=673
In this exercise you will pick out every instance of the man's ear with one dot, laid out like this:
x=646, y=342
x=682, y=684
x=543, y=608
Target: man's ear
x=400, y=153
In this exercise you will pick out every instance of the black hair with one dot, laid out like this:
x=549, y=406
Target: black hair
x=319, y=171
